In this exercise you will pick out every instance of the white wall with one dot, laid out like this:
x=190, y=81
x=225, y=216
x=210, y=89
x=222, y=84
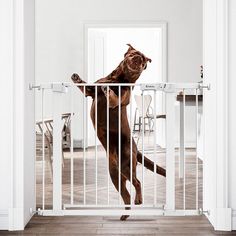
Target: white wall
x=232, y=109
x=60, y=35
x=17, y=118
x=6, y=104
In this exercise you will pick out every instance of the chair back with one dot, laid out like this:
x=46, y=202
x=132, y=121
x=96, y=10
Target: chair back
x=147, y=99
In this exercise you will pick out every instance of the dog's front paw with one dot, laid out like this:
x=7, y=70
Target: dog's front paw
x=76, y=79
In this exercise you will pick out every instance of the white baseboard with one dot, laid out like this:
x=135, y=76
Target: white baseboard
x=234, y=220
x=223, y=219
x=13, y=219
x=16, y=219
x=4, y=219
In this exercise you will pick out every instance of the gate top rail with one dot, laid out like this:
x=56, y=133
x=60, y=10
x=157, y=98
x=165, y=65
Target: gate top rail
x=165, y=87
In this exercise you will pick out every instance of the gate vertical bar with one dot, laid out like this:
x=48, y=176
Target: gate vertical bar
x=84, y=160
x=184, y=161
x=196, y=149
x=181, y=141
x=131, y=149
x=43, y=151
x=170, y=151
x=143, y=127
x=119, y=141
x=57, y=152
x=108, y=131
x=72, y=147
x=155, y=151
x=96, y=146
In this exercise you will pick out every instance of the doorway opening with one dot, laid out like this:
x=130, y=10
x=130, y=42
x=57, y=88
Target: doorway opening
x=104, y=46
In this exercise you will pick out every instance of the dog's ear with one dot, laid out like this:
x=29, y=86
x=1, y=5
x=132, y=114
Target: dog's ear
x=130, y=46
x=129, y=49
x=148, y=59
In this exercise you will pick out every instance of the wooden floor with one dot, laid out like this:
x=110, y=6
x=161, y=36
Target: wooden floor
x=135, y=225
x=93, y=225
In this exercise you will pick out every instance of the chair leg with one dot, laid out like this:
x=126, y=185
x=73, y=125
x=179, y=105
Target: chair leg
x=138, y=138
x=139, y=124
x=134, y=119
x=145, y=124
x=150, y=124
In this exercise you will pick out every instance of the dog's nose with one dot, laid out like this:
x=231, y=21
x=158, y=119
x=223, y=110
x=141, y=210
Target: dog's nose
x=137, y=59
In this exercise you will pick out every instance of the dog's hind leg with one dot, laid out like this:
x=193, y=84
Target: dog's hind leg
x=126, y=197
x=126, y=171
x=138, y=197
x=114, y=173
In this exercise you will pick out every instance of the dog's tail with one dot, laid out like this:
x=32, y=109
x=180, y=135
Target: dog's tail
x=150, y=165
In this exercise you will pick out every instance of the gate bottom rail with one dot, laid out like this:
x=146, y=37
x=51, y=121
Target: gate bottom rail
x=118, y=212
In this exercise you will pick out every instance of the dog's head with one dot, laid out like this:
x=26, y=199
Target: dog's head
x=134, y=61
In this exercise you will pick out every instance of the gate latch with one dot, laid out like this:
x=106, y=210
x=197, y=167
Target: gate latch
x=153, y=87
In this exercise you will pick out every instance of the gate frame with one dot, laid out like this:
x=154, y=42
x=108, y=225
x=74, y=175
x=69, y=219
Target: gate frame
x=170, y=90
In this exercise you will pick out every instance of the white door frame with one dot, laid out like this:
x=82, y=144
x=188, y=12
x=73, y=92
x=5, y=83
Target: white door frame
x=94, y=44
x=215, y=105
x=129, y=24
x=20, y=160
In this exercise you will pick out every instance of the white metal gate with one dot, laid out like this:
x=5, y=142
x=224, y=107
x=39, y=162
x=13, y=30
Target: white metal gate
x=79, y=193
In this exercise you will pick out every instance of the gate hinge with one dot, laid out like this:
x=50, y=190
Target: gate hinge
x=201, y=212
x=34, y=212
x=31, y=86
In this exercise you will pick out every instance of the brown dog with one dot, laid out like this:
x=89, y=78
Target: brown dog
x=128, y=71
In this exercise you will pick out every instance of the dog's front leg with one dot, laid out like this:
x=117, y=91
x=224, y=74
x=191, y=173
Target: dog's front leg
x=110, y=94
x=114, y=99
x=87, y=90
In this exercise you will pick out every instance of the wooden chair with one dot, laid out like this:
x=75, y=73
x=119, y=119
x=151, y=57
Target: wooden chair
x=147, y=99
x=48, y=134
x=147, y=114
